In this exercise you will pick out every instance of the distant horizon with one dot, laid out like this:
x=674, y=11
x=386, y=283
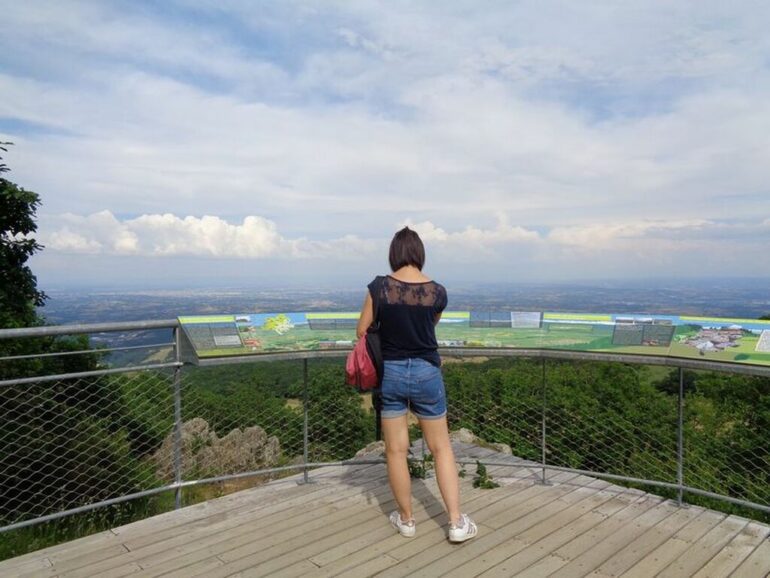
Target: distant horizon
x=758, y=282
x=737, y=298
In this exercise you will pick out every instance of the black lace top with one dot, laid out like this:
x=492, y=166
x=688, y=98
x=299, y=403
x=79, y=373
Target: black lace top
x=407, y=317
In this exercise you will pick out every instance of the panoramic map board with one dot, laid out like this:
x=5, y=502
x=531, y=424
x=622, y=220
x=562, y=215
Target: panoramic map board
x=743, y=341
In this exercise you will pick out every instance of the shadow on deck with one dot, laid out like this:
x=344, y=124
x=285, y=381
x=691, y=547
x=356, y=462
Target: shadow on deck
x=337, y=526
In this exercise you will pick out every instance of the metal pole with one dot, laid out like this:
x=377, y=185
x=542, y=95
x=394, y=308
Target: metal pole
x=177, y=423
x=543, y=429
x=305, y=478
x=680, y=441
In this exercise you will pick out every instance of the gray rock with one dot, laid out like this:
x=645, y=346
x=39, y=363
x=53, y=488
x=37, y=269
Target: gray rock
x=463, y=435
x=372, y=450
x=206, y=455
x=502, y=448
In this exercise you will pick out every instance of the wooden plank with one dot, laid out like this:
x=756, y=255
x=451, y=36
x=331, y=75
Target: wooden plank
x=473, y=499
x=417, y=546
x=108, y=545
x=29, y=566
x=249, y=537
x=116, y=572
x=669, y=550
x=209, y=565
x=423, y=559
x=318, y=492
x=251, y=497
x=544, y=567
x=739, y=548
x=503, y=538
x=273, y=544
x=200, y=553
x=186, y=539
x=371, y=567
x=534, y=554
x=43, y=558
x=756, y=564
x=592, y=557
x=310, y=544
x=560, y=556
x=272, y=561
x=700, y=552
x=82, y=555
x=525, y=548
x=431, y=511
x=296, y=569
x=648, y=541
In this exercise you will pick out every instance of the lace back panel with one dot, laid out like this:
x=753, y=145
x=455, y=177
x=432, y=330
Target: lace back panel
x=395, y=292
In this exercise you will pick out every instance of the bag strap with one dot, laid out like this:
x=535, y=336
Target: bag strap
x=376, y=301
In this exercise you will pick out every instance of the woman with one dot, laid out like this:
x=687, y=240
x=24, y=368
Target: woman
x=410, y=306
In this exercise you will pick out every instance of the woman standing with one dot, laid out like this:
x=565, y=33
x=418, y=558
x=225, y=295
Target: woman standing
x=410, y=307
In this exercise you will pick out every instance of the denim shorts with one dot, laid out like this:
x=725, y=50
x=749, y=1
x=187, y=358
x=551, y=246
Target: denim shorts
x=413, y=384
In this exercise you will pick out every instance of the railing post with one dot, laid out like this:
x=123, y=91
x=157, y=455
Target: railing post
x=543, y=481
x=305, y=478
x=177, y=420
x=680, y=441
x=377, y=402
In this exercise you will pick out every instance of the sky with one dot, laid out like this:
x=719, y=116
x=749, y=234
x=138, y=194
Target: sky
x=195, y=143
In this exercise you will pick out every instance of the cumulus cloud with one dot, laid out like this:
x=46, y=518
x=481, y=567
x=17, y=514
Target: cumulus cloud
x=162, y=235
x=168, y=235
x=474, y=236
x=603, y=235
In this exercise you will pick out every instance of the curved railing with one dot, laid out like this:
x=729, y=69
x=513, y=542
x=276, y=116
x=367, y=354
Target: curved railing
x=81, y=436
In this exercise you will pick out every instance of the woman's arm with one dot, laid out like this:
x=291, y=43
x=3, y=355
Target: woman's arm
x=366, y=317
x=437, y=319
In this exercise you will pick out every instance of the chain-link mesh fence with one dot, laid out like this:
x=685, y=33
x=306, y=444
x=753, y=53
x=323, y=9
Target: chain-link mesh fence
x=727, y=438
x=601, y=417
x=499, y=401
x=80, y=441
x=69, y=443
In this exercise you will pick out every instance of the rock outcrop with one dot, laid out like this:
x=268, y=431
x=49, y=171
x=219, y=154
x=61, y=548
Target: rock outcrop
x=204, y=454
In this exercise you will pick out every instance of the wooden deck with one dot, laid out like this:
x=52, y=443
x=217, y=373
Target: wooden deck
x=337, y=526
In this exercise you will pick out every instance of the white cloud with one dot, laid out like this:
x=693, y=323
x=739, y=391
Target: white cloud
x=167, y=235
x=163, y=235
x=601, y=236
x=472, y=236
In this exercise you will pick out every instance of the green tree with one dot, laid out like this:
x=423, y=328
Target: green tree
x=19, y=294
x=62, y=443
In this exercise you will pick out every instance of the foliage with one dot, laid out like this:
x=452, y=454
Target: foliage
x=338, y=426
x=419, y=468
x=19, y=294
x=482, y=479
x=270, y=396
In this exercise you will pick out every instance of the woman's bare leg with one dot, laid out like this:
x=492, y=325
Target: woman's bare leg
x=396, y=435
x=436, y=434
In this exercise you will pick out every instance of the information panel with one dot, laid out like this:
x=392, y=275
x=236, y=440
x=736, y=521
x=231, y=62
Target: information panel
x=743, y=341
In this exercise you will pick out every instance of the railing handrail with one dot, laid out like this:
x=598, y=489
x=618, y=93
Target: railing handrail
x=87, y=328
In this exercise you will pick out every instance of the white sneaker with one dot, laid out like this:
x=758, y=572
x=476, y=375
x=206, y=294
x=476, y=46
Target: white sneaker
x=464, y=530
x=406, y=529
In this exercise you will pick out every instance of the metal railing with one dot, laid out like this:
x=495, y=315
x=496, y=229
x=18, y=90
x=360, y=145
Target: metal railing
x=73, y=441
